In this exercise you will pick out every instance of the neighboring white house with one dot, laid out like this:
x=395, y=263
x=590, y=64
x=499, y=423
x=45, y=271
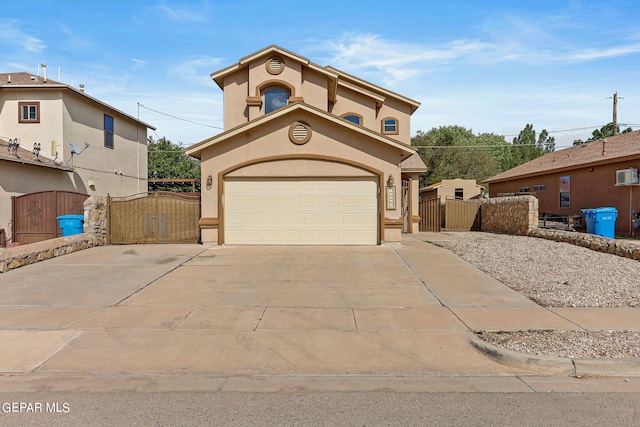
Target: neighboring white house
x=85, y=145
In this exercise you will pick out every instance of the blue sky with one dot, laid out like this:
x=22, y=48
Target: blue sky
x=490, y=66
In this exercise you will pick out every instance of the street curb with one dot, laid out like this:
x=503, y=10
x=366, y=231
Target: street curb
x=607, y=367
x=537, y=364
x=552, y=365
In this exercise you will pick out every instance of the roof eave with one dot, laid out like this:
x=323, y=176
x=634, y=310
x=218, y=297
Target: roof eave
x=565, y=168
x=55, y=166
x=196, y=149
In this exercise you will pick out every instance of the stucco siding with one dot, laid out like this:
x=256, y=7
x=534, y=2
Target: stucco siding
x=49, y=127
x=314, y=89
x=591, y=187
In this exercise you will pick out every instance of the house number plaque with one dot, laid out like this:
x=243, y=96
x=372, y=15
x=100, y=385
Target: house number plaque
x=391, y=197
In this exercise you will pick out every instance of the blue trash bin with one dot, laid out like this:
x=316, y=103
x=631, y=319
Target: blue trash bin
x=590, y=219
x=605, y=222
x=71, y=224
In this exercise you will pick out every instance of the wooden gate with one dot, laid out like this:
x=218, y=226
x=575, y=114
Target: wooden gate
x=461, y=215
x=33, y=216
x=159, y=217
x=430, y=214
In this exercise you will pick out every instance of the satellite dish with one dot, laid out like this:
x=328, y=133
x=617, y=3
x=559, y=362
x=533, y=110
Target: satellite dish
x=75, y=150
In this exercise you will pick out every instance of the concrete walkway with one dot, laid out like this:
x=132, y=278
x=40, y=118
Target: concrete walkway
x=241, y=313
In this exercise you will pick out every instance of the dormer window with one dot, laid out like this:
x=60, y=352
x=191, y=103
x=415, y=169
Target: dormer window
x=352, y=117
x=390, y=126
x=274, y=98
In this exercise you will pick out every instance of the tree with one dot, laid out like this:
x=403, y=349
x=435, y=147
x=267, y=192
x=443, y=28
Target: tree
x=168, y=160
x=456, y=152
x=604, y=132
x=527, y=147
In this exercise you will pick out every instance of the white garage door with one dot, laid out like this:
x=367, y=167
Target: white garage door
x=296, y=211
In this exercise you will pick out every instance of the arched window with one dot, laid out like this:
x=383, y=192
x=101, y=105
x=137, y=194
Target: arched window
x=352, y=117
x=274, y=98
x=390, y=126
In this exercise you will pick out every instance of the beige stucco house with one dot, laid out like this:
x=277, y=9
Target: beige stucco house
x=61, y=120
x=309, y=155
x=461, y=189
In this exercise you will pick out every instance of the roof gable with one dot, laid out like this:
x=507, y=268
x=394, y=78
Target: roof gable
x=347, y=80
x=23, y=80
x=613, y=149
x=196, y=149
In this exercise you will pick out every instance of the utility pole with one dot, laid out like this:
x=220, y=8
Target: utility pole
x=615, y=114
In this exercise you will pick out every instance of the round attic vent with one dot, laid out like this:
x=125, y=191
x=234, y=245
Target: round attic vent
x=299, y=133
x=275, y=65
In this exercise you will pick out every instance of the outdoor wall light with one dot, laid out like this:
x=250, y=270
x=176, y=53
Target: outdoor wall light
x=209, y=182
x=390, y=181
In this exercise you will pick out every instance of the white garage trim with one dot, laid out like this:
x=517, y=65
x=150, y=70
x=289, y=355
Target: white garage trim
x=301, y=211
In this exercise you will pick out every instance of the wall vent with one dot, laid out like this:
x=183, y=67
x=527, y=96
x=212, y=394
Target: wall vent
x=299, y=133
x=275, y=65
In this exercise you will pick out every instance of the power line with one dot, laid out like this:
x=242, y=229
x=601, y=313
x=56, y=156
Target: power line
x=179, y=118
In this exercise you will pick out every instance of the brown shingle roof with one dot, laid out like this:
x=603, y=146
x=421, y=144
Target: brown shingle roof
x=27, y=157
x=413, y=163
x=23, y=79
x=625, y=146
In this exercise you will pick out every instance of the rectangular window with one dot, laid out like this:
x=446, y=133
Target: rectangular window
x=565, y=191
x=523, y=190
x=28, y=112
x=108, y=131
x=459, y=193
x=539, y=187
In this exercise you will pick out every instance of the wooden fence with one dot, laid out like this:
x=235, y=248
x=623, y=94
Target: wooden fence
x=159, y=217
x=430, y=214
x=461, y=215
x=454, y=215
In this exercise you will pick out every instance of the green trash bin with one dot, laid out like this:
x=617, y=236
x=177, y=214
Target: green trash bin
x=605, y=222
x=71, y=224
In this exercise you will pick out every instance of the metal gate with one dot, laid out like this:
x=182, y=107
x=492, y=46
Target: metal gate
x=430, y=214
x=160, y=217
x=33, y=216
x=406, y=214
x=461, y=215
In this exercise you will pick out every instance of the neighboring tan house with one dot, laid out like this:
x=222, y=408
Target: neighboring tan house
x=309, y=155
x=68, y=141
x=461, y=189
x=581, y=177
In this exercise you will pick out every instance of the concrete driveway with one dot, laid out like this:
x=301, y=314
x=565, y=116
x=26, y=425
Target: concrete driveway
x=237, y=311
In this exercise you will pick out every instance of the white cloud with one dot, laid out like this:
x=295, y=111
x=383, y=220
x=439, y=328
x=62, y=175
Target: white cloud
x=397, y=61
x=197, y=69
x=604, y=53
x=138, y=63
x=181, y=15
x=11, y=35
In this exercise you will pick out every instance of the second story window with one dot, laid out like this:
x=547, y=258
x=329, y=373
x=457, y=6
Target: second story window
x=28, y=112
x=108, y=131
x=390, y=126
x=275, y=98
x=355, y=118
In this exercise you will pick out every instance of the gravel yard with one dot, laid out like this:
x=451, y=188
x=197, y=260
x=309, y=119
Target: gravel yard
x=556, y=274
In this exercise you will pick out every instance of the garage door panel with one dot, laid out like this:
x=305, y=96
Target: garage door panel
x=281, y=211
